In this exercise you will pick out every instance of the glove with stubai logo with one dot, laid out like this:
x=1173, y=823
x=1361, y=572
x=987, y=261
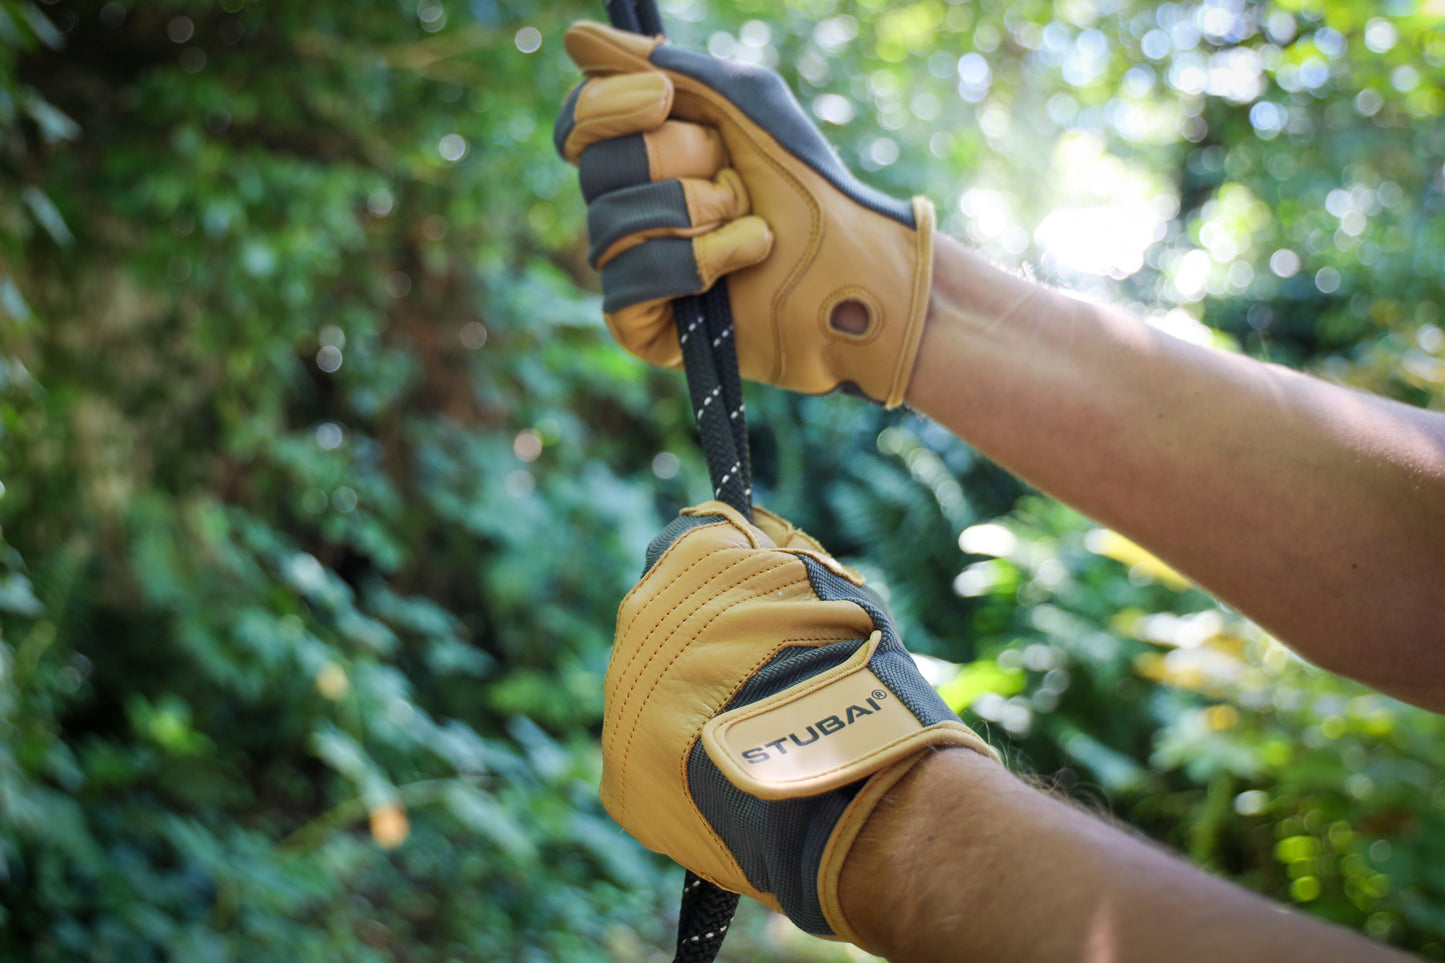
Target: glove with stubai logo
x=759, y=703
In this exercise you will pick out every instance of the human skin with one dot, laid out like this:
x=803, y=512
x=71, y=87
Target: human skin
x=962, y=861
x=1316, y=510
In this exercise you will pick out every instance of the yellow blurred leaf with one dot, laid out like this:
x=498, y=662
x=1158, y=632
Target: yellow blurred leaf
x=331, y=682
x=1150, y=665
x=1111, y=544
x=389, y=825
x=1305, y=889
x=1222, y=718
x=1228, y=644
x=911, y=25
x=1207, y=671
x=977, y=678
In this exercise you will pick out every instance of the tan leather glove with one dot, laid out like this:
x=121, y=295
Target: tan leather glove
x=694, y=169
x=758, y=705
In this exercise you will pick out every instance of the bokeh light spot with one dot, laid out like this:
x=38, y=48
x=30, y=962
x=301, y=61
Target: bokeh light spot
x=1381, y=35
x=527, y=446
x=330, y=435
x=1284, y=263
x=833, y=109
x=452, y=147
x=344, y=499
x=473, y=335
x=180, y=29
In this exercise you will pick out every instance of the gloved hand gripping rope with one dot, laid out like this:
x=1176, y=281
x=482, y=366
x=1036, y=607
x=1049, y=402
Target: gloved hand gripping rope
x=759, y=702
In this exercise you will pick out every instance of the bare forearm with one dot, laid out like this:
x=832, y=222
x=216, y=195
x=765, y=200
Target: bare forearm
x=961, y=861
x=1316, y=510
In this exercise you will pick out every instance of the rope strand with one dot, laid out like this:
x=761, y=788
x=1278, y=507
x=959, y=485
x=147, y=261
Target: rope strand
x=704, y=324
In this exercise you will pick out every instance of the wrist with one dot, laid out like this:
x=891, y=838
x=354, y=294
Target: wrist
x=885, y=889
x=956, y=298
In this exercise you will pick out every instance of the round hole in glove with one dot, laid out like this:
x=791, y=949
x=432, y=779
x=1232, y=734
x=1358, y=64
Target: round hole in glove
x=850, y=317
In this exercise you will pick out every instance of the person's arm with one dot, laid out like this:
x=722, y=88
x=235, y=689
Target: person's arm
x=1316, y=510
x=961, y=861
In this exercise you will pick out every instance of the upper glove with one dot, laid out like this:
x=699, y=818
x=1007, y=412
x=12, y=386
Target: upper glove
x=758, y=705
x=696, y=168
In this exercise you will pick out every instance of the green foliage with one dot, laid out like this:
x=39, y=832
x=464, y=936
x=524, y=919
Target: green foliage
x=322, y=480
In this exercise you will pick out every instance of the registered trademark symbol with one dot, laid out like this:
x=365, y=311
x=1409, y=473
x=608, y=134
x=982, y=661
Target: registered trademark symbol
x=879, y=694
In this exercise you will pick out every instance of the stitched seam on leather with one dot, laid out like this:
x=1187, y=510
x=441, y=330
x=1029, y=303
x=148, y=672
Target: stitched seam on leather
x=695, y=593
x=621, y=52
x=679, y=650
x=945, y=732
x=636, y=239
x=585, y=126
x=805, y=261
x=851, y=292
x=612, y=721
x=702, y=258
x=810, y=252
x=627, y=672
x=677, y=654
x=637, y=589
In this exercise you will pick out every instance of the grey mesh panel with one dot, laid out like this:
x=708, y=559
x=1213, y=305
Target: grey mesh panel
x=766, y=100
x=567, y=119
x=672, y=533
x=617, y=214
x=779, y=844
x=662, y=268
x=609, y=165
x=891, y=660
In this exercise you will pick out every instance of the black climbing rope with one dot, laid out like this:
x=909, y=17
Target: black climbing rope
x=704, y=327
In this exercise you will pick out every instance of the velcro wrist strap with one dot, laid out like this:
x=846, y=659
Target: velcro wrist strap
x=837, y=728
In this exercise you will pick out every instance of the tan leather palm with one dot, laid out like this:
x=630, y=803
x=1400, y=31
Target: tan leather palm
x=707, y=616
x=804, y=238
x=720, y=604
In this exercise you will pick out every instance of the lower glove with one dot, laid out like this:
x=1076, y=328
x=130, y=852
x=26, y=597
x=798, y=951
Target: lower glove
x=758, y=705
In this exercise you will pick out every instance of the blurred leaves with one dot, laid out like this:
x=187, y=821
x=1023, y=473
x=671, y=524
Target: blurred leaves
x=320, y=479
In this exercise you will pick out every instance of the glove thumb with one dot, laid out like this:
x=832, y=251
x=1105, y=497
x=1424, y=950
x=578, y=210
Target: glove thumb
x=600, y=50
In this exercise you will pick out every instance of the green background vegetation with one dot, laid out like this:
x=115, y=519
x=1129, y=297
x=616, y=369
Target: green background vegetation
x=322, y=480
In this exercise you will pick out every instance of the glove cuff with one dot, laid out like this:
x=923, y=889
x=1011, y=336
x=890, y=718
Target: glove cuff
x=925, y=216
x=840, y=844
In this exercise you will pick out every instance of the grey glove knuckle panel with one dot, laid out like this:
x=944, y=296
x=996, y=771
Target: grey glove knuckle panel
x=624, y=212
x=609, y=165
x=566, y=119
x=891, y=662
x=660, y=269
